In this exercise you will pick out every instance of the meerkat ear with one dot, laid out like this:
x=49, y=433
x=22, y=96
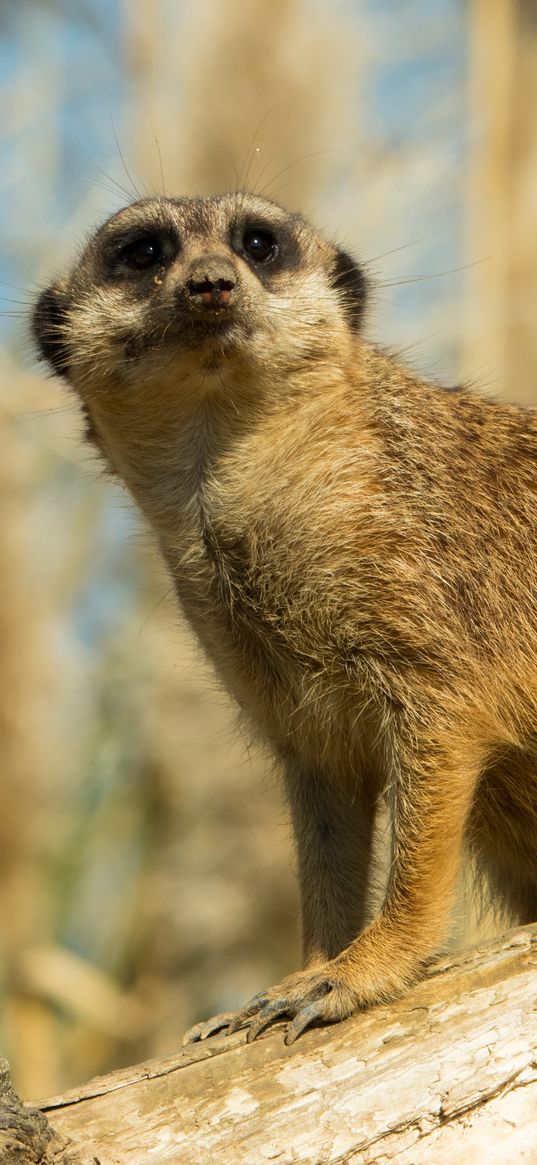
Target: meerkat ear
x=48, y=329
x=348, y=278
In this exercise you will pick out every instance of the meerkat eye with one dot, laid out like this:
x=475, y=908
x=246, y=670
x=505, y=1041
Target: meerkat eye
x=143, y=253
x=259, y=244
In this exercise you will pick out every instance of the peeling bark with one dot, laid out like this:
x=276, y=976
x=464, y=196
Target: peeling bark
x=26, y=1137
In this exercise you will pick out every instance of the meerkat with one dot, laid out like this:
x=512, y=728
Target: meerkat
x=355, y=549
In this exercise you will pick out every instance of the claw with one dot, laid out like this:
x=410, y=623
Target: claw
x=255, y=1005
x=303, y=1019
x=193, y=1034
x=237, y=1022
x=265, y=1017
x=201, y=1031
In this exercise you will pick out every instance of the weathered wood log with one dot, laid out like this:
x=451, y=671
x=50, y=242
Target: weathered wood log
x=26, y=1137
x=448, y=1074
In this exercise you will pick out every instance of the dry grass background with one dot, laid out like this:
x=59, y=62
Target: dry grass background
x=146, y=868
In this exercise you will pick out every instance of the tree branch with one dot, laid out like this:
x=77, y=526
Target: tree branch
x=447, y=1074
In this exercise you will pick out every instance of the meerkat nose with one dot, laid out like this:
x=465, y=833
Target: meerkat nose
x=211, y=284
x=210, y=294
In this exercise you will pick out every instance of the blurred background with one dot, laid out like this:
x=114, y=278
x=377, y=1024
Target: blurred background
x=146, y=865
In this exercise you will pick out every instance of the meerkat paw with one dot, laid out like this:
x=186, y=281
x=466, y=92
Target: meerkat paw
x=321, y=996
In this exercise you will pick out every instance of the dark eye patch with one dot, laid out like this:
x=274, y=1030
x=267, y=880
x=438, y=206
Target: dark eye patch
x=140, y=251
x=266, y=248
x=143, y=253
x=260, y=244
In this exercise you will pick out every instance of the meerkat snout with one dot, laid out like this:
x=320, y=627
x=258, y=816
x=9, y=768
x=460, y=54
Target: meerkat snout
x=212, y=283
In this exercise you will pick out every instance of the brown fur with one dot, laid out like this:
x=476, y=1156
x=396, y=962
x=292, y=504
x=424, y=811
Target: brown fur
x=357, y=552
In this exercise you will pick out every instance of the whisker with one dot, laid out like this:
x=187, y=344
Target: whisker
x=123, y=162
x=433, y=275
x=16, y=287
x=242, y=179
x=108, y=177
x=291, y=165
x=157, y=143
x=403, y=247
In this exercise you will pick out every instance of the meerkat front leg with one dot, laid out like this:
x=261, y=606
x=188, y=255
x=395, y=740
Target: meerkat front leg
x=333, y=822
x=333, y=825
x=434, y=785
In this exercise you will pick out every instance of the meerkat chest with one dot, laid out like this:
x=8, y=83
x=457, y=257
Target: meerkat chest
x=250, y=535
x=228, y=548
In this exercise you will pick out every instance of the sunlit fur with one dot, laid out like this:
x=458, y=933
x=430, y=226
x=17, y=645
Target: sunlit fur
x=357, y=552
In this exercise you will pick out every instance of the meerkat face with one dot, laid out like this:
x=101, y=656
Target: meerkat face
x=231, y=277
x=221, y=286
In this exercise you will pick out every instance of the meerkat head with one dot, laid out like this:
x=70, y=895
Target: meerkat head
x=179, y=296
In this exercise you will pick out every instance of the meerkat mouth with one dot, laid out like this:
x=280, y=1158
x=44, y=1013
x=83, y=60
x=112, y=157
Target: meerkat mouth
x=215, y=327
